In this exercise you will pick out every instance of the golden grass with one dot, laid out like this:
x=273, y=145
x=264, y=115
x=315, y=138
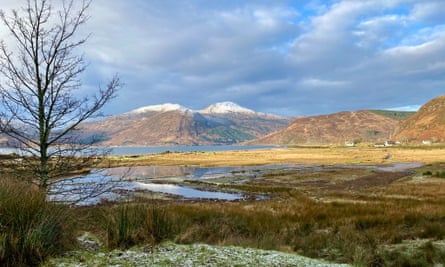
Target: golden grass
x=328, y=155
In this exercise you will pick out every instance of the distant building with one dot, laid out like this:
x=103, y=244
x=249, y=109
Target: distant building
x=349, y=143
x=390, y=143
x=379, y=145
x=426, y=142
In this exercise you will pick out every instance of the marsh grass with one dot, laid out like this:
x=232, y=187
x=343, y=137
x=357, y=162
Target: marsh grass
x=341, y=225
x=31, y=229
x=319, y=155
x=128, y=225
x=358, y=225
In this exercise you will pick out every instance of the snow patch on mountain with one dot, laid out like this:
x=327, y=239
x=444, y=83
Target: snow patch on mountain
x=160, y=108
x=226, y=107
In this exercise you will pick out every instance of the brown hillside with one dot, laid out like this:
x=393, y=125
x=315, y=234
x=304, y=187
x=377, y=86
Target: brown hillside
x=364, y=126
x=427, y=124
x=180, y=127
x=172, y=127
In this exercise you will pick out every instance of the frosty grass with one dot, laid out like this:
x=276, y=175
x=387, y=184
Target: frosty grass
x=170, y=254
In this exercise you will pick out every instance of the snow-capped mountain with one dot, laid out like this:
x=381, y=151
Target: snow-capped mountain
x=173, y=124
x=159, y=108
x=226, y=107
x=217, y=108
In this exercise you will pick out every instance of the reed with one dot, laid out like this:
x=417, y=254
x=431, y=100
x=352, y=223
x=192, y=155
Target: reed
x=129, y=224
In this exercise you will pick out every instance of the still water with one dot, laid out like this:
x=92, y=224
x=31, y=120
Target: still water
x=144, y=150
x=118, y=151
x=119, y=184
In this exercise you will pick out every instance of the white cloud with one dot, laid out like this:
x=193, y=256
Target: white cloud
x=313, y=82
x=428, y=11
x=285, y=56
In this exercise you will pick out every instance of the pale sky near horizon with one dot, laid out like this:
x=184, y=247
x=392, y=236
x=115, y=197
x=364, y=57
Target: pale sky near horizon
x=283, y=57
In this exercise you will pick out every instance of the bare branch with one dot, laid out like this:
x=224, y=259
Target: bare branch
x=39, y=80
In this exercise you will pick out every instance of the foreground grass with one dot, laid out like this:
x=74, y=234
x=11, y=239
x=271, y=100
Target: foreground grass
x=31, y=229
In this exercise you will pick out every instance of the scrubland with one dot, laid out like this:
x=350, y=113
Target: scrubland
x=337, y=211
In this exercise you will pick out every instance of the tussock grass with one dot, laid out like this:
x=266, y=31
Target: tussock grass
x=31, y=229
x=124, y=226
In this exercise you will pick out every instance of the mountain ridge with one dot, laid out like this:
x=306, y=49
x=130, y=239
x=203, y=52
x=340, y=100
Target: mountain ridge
x=218, y=108
x=427, y=124
x=173, y=124
x=336, y=128
x=226, y=123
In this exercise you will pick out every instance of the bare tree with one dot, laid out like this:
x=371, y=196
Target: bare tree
x=39, y=87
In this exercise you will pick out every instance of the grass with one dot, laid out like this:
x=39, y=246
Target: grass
x=322, y=155
x=396, y=115
x=129, y=225
x=31, y=229
x=345, y=215
x=170, y=254
x=341, y=232
x=334, y=224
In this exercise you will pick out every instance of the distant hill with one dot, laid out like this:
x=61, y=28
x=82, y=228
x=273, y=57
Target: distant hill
x=337, y=128
x=426, y=124
x=172, y=124
x=393, y=114
x=228, y=123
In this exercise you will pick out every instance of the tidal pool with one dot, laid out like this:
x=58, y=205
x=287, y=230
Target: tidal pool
x=189, y=192
x=95, y=188
x=117, y=184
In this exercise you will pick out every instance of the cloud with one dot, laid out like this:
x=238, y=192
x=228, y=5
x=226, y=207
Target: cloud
x=431, y=12
x=286, y=57
x=313, y=82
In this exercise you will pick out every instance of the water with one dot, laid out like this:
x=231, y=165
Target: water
x=188, y=192
x=96, y=187
x=119, y=183
x=144, y=150
x=188, y=172
x=398, y=167
x=88, y=190
x=119, y=151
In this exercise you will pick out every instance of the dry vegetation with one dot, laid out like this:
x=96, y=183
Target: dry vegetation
x=333, y=211
x=354, y=215
x=321, y=155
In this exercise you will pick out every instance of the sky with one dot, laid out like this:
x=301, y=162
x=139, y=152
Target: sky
x=290, y=58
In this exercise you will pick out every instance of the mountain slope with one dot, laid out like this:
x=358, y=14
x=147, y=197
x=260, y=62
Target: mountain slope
x=171, y=124
x=426, y=124
x=363, y=126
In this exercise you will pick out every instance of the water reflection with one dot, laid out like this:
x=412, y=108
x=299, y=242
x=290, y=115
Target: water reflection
x=119, y=183
x=198, y=173
x=188, y=192
x=95, y=188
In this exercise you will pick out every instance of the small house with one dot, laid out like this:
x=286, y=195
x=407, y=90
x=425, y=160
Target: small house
x=390, y=143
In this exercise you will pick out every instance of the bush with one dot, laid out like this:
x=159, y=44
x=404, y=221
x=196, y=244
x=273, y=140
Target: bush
x=440, y=174
x=31, y=229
